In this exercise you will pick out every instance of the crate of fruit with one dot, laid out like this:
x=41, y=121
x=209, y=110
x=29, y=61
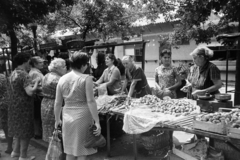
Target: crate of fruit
x=213, y=122
x=233, y=127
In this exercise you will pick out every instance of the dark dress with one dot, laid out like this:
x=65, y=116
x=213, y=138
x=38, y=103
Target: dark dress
x=20, y=113
x=142, y=88
x=202, y=78
x=99, y=71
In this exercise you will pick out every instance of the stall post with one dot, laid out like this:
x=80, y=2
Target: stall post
x=227, y=56
x=108, y=136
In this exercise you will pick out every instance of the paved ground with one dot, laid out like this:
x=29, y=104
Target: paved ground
x=121, y=149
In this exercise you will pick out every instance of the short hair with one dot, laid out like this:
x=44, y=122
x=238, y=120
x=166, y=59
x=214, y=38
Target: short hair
x=56, y=64
x=166, y=51
x=128, y=58
x=78, y=59
x=202, y=51
x=34, y=60
x=113, y=58
x=21, y=58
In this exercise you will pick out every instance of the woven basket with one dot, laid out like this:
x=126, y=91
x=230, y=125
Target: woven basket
x=228, y=152
x=155, y=140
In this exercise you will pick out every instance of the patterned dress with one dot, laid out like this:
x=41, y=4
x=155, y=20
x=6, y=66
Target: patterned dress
x=3, y=101
x=20, y=113
x=49, y=86
x=76, y=114
x=166, y=77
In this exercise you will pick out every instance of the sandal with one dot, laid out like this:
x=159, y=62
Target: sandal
x=28, y=158
x=14, y=154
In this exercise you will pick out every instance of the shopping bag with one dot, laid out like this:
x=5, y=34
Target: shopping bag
x=93, y=141
x=55, y=151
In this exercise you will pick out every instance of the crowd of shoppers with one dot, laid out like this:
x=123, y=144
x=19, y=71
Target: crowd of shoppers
x=65, y=96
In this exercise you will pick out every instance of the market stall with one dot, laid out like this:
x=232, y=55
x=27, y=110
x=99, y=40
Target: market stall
x=149, y=113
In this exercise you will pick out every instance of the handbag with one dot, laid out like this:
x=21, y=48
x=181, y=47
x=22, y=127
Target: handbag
x=55, y=151
x=93, y=141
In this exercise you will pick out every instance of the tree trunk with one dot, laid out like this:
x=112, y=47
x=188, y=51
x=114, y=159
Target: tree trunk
x=237, y=80
x=14, y=42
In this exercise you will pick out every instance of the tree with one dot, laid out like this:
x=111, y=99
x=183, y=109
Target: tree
x=104, y=17
x=194, y=21
x=195, y=13
x=14, y=13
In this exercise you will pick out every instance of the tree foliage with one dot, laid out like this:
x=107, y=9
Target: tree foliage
x=104, y=17
x=15, y=13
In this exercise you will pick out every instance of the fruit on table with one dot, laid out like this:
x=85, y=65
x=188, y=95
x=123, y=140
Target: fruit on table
x=175, y=107
x=149, y=99
x=230, y=118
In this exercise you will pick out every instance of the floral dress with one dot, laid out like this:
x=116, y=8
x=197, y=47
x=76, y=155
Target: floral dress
x=166, y=77
x=49, y=85
x=20, y=112
x=3, y=101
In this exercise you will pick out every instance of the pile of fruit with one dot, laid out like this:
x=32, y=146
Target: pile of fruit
x=149, y=100
x=175, y=107
x=230, y=118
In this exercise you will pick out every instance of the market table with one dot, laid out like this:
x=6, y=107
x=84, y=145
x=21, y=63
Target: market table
x=170, y=126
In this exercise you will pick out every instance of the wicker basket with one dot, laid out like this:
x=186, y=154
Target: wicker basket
x=156, y=140
x=228, y=152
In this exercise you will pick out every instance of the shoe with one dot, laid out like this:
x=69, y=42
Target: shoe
x=8, y=151
x=28, y=158
x=14, y=154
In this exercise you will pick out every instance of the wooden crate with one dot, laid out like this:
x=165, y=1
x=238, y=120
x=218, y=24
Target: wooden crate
x=233, y=132
x=210, y=127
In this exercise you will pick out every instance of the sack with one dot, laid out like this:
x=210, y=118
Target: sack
x=93, y=141
x=55, y=151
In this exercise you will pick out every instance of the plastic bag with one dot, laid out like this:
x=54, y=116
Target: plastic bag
x=55, y=151
x=93, y=141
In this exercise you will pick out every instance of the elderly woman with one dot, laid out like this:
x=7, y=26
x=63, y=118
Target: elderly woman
x=37, y=63
x=57, y=69
x=166, y=77
x=204, y=76
x=80, y=108
x=20, y=113
x=111, y=76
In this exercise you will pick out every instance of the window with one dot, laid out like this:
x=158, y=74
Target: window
x=138, y=53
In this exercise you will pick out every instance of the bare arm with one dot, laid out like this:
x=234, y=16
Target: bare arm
x=217, y=85
x=58, y=105
x=30, y=90
x=132, y=88
x=176, y=85
x=91, y=100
